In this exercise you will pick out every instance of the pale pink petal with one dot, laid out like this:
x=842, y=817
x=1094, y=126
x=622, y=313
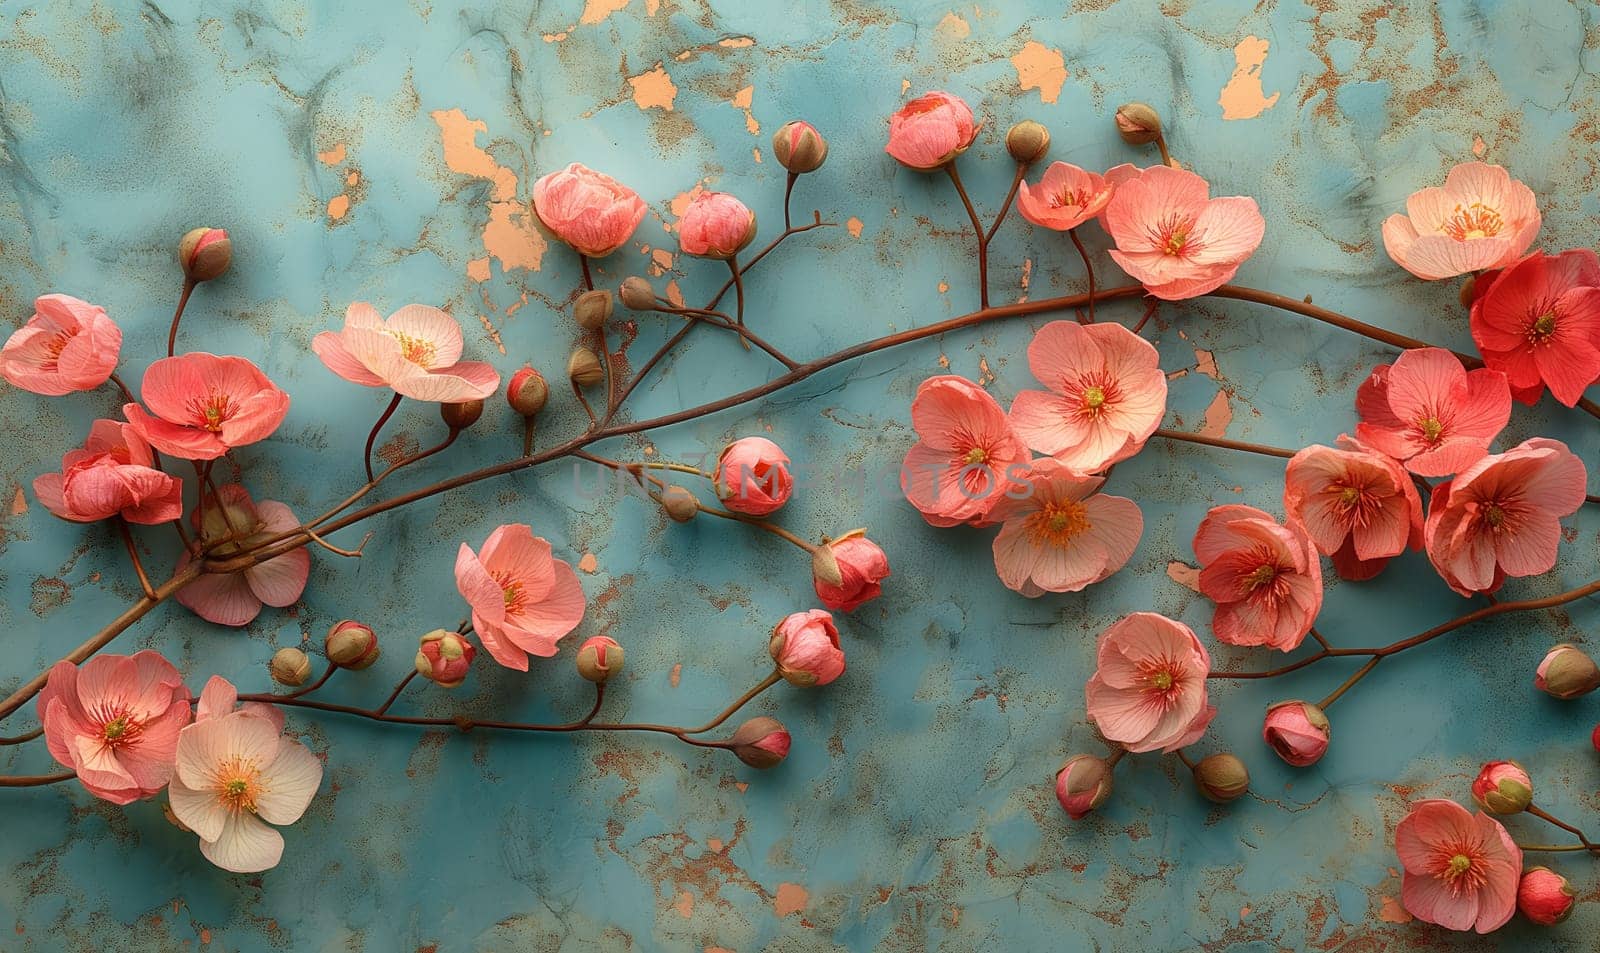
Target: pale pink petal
x=432, y=325
x=468, y=380
x=1398, y=237
x=555, y=613
x=1228, y=231
x=47, y=489
x=1116, y=523
x=480, y=590
x=218, y=697
x=200, y=810
x=1431, y=900
x=1046, y=422
x=498, y=645
x=280, y=581
x=190, y=443
x=245, y=846
x=329, y=346
x=291, y=780
x=223, y=598
x=1486, y=408
x=513, y=552
x=1439, y=256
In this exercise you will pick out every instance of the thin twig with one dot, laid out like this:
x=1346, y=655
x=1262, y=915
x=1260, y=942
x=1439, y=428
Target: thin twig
x=977, y=229
x=1088, y=269
x=183, y=302
x=366, y=458
x=133, y=554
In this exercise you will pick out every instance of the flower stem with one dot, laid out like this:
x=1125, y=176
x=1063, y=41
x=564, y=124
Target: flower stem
x=133, y=554
x=366, y=457
x=35, y=780
x=977, y=228
x=1088, y=269
x=183, y=302
x=1350, y=682
x=1544, y=816
x=738, y=293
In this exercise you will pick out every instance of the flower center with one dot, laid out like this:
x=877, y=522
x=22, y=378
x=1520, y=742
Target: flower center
x=1543, y=326
x=1161, y=681
x=516, y=598
x=1175, y=241
x=238, y=784
x=1058, y=524
x=210, y=412
x=1349, y=495
x=1262, y=576
x=415, y=350
x=1473, y=221
x=1431, y=428
x=1093, y=398
x=1459, y=864
x=1070, y=199
x=1494, y=515
x=53, y=349
x=120, y=731
x=976, y=455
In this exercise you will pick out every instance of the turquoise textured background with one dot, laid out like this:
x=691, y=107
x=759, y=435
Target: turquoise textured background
x=336, y=141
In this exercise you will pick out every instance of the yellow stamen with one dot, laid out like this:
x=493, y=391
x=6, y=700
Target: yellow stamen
x=1459, y=864
x=1473, y=221
x=1093, y=398
x=1431, y=428
x=1058, y=524
x=977, y=455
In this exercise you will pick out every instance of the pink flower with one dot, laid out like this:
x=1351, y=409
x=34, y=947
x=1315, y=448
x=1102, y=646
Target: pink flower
x=115, y=721
x=236, y=774
x=1481, y=218
x=716, y=225
x=1060, y=534
x=930, y=131
x=753, y=476
x=1175, y=238
x=416, y=351
x=1065, y=197
x=236, y=598
x=444, y=657
x=1149, y=686
x=1297, y=731
x=1106, y=394
x=113, y=475
x=805, y=645
x=967, y=456
x=1501, y=516
x=1545, y=897
x=588, y=210
x=1538, y=322
x=67, y=345
x=862, y=566
x=1082, y=785
x=1361, y=508
x=1502, y=787
x=523, y=599
x=205, y=405
x=1265, y=578
x=1461, y=869
x=1431, y=413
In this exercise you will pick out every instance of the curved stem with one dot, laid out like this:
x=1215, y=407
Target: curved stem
x=133, y=554
x=1557, y=848
x=1161, y=144
x=738, y=703
x=977, y=229
x=1088, y=269
x=588, y=279
x=1016, y=183
x=788, y=190
x=183, y=302
x=396, y=693
x=25, y=737
x=34, y=780
x=1575, y=832
x=738, y=293
x=1350, y=682
x=127, y=395
x=1184, y=757
x=1224, y=443
x=366, y=457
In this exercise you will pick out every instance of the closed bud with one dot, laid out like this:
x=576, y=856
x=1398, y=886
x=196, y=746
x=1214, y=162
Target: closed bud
x=593, y=309
x=799, y=147
x=1567, y=672
x=599, y=658
x=583, y=368
x=204, y=253
x=289, y=666
x=1028, y=141
x=680, y=504
x=637, y=294
x=1545, y=897
x=1298, y=731
x=444, y=657
x=761, y=742
x=1222, y=777
x=1503, y=787
x=527, y=392
x=1138, y=124
x=461, y=416
x=1083, y=784
x=351, y=645
x=825, y=567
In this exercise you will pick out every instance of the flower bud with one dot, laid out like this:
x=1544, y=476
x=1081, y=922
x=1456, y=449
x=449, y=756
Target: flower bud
x=289, y=666
x=584, y=369
x=444, y=657
x=825, y=568
x=806, y=647
x=846, y=572
x=593, y=309
x=1298, y=731
x=599, y=658
x=761, y=742
x=1138, y=124
x=1567, y=672
x=1503, y=787
x=1545, y=897
x=204, y=253
x=799, y=147
x=716, y=225
x=637, y=294
x=1222, y=777
x=680, y=504
x=1083, y=784
x=461, y=416
x=527, y=392
x=1028, y=141
x=1469, y=291
x=351, y=645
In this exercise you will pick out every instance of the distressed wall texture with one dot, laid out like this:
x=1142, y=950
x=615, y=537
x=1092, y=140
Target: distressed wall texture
x=384, y=151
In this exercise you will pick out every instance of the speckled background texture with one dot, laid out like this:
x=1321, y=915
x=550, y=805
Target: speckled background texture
x=383, y=150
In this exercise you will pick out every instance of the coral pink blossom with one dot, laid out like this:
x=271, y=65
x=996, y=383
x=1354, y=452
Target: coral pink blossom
x=1501, y=516
x=237, y=775
x=1106, y=394
x=203, y=405
x=805, y=646
x=115, y=721
x=1175, y=238
x=930, y=131
x=67, y=345
x=1461, y=869
x=1265, y=578
x=523, y=599
x=1359, y=507
x=588, y=210
x=716, y=225
x=233, y=522
x=753, y=476
x=113, y=474
x=1149, y=686
x=1065, y=197
x=416, y=351
x=1481, y=218
x=1430, y=413
x=1538, y=322
x=967, y=456
x=1059, y=533
x=862, y=568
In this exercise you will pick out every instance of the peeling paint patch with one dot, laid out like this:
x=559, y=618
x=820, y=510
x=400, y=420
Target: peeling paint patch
x=1042, y=68
x=952, y=27
x=333, y=156
x=510, y=234
x=1219, y=414
x=1243, y=97
x=791, y=898
x=589, y=563
x=19, y=503
x=743, y=100
x=853, y=226
x=1184, y=575
x=338, y=207
x=653, y=89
